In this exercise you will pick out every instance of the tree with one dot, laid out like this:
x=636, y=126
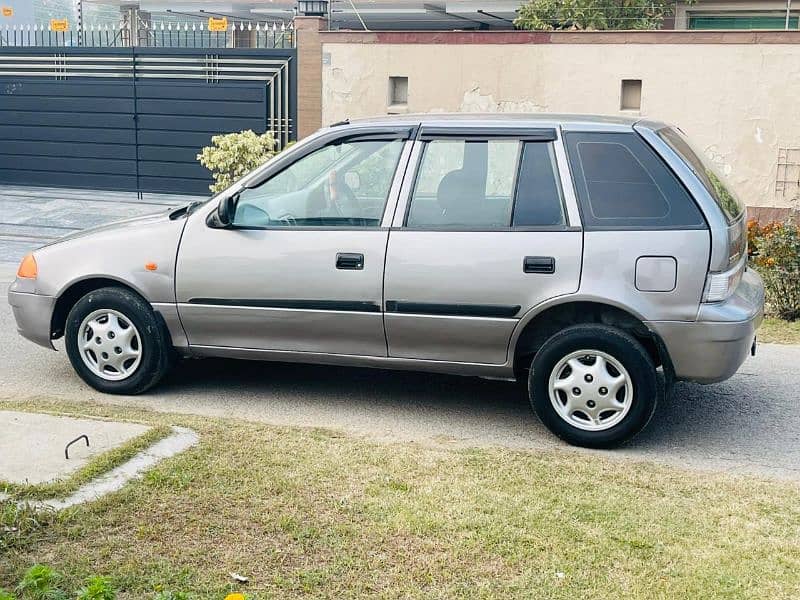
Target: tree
x=594, y=14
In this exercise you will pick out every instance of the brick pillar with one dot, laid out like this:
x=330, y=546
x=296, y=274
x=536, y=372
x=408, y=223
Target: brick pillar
x=309, y=74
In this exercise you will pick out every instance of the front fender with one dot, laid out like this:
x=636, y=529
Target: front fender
x=118, y=253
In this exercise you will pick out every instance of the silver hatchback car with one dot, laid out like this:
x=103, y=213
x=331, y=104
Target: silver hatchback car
x=579, y=254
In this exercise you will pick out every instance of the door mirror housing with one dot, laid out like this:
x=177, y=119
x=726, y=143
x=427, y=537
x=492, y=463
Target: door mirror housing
x=227, y=209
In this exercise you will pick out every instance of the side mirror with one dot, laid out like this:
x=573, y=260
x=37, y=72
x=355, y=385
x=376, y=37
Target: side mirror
x=227, y=209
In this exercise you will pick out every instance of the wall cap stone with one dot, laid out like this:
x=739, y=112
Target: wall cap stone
x=560, y=37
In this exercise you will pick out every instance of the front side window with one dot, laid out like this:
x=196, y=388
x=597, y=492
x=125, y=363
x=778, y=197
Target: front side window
x=622, y=184
x=340, y=185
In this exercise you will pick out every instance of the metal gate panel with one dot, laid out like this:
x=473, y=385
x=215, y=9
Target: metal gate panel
x=175, y=119
x=134, y=119
x=61, y=128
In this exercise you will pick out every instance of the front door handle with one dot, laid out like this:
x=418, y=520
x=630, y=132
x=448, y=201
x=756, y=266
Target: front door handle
x=350, y=260
x=539, y=264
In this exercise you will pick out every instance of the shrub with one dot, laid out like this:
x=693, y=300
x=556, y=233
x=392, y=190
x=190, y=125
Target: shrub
x=235, y=154
x=775, y=254
x=97, y=588
x=40, y=582
x=4, y=595
x=594, y=14
x=754, y=232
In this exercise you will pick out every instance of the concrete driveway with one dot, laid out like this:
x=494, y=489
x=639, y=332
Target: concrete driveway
x=749, y=424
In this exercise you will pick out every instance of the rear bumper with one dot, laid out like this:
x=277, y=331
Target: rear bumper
x=33, y=313
x=713, y=348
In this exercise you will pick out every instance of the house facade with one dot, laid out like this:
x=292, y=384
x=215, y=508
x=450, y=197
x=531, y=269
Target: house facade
x=400, y=14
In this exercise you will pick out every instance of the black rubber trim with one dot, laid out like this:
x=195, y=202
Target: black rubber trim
x=463, y=132
x=336, y=305
x=454, y=310
x=379, y=134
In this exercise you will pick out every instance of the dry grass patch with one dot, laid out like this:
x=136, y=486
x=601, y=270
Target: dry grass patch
x=778, y=331
x=310, y=513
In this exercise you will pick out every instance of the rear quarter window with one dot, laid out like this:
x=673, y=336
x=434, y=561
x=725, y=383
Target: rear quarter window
x=623, y=184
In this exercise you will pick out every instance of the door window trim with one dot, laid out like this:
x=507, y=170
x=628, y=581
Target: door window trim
x=545, y=135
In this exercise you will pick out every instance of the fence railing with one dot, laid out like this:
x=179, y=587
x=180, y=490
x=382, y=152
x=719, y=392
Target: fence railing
x=238, y=34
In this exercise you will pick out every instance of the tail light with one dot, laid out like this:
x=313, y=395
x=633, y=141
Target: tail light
x=720, y=286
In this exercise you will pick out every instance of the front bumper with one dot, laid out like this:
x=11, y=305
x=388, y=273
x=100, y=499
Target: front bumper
x=33, y=313
x=713, y=348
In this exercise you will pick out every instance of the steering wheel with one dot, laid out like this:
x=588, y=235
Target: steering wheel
x=341, y=196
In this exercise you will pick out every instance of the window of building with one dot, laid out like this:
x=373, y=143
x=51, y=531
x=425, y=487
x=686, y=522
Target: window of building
x=398, y=91
x=622, y=184
x=631, y=94
x=734, y=21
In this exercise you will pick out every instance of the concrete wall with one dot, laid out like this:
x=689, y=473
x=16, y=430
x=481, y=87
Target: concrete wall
x=735, y=94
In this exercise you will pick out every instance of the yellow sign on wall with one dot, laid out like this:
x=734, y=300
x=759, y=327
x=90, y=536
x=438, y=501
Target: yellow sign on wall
x=59, y=25
x=7, y=11
x=217, y=24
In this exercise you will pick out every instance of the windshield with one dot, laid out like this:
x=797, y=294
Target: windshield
x=731, y=206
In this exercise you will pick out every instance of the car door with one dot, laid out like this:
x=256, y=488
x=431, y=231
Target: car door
x=481, y=236
x=300, y=269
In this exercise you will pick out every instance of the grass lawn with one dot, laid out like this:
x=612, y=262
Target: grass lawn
x=314, y=513
x=778, y=331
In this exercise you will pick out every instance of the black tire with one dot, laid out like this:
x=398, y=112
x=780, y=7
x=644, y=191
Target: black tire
x=157, y=353
x=615, y=343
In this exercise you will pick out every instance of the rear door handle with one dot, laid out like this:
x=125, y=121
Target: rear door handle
x=350, y=260
x=539, y=264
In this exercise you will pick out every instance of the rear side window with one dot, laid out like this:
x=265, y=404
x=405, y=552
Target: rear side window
x=538, y=202
x=486, y=185
x=465, y=184
x=622, y=184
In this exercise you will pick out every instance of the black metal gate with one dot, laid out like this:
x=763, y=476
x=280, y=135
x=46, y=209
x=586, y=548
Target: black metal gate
x=134, y=118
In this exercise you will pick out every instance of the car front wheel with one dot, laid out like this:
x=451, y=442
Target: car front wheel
x=593, y=385
x=116, y=343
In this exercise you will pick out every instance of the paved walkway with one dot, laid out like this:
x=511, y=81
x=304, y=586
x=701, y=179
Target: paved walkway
x=32, y=444
x=33, y=216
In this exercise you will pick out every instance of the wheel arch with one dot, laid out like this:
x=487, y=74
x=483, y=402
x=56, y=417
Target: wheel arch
x=76, y=290
x=538, y=325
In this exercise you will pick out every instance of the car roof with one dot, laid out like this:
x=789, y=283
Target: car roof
x=569, y=122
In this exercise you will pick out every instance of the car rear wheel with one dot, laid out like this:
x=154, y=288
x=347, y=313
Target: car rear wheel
x=593, y=385
x=116, y=343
